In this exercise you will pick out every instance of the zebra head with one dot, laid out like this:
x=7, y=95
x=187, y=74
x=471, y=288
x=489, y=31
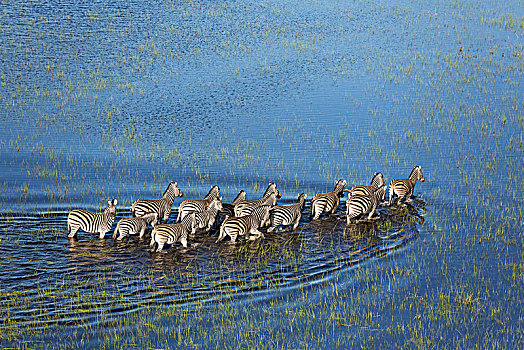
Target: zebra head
x=213, y=192
x=339, y=187
x=111, y=208
x=378, y=180
x=416, y=174
x=173, y=190
x=216, y=203
x=302, y=200
x=241, y=196
x=272, y=188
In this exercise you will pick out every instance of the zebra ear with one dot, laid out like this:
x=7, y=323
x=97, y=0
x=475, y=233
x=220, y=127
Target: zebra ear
x=114, y=202
x=109, y=202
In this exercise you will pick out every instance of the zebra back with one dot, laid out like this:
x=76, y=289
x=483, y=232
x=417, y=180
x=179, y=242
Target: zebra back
x=376, y=182
x=287, y=214
x=135, y=225
x=247, y=207
x=405, y=187
x=161, y=206
x=92, y=222
x=168, y=234
x=325, y=202
x=235, y=226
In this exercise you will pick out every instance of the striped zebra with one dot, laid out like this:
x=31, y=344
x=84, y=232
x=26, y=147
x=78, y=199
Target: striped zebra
x=245, y=225
x=288, y=214
x=161, y=206
x=197, y=205
x=245, y=207
x=169, y=234
x=327, y=202
x=91, y=222
x=228, y=209
x=404, y=188
x=376, y=182
x=359, y=203
x=133, y=226
x=206, y=219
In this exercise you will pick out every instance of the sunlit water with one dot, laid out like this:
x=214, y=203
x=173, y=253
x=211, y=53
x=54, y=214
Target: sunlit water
x=114, y=100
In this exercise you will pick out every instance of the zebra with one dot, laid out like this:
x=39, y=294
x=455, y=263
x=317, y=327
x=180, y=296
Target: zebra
x=161, y=206
x=245, y=207
x=362, y=203
x=206, y=219
x=91, y=222
x=288, y=214
x=249, y=224
x=197, y=205
x=404, y=188
x=164, y=233
x=133, y=226
x=376, y=182
x=325, y=202
x=228, y=209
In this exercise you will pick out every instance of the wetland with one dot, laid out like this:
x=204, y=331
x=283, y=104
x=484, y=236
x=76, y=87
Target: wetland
x=116, y=99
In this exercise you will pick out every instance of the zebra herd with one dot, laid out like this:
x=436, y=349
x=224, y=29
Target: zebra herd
x=242, y=217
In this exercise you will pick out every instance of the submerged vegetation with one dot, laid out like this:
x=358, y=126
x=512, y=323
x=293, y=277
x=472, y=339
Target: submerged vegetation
x=107, y=101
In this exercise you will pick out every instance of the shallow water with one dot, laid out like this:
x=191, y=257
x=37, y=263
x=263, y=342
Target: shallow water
x=113, y=100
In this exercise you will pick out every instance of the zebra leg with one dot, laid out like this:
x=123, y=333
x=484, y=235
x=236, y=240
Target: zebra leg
x=183, y=240
x=257, y=234
x=221, y=235
x=295, y=226
x=142, y=232
x=317, y=212
x=72, y=231
x=159, y=247
x=372, y=211
x=391, y=194
x=335, y=207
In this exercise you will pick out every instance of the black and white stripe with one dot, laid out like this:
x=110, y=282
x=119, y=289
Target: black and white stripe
x=197, y=205
x=206, y=219
x=245, y=225
x=404, y=188
x=360, y=203
x=133, y=226
x=169, y=234
x=246, y=207
x=376, y=182
x=327, y=202
x=91, y=222
x=287, y=214
x=228, y=209
x=160, y=206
